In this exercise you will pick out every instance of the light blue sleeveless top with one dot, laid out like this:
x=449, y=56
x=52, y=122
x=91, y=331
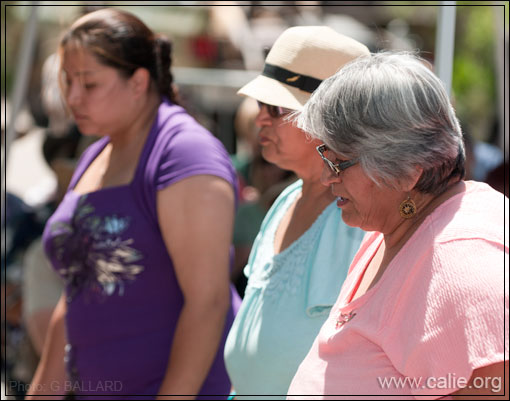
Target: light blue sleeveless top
x=287, y=299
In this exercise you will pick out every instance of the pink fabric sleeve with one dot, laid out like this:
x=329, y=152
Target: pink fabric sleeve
x=455, y=324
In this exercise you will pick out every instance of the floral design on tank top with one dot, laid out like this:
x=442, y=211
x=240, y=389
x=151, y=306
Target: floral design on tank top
x=95, y=254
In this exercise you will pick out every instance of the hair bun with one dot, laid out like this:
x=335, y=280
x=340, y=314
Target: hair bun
x=163, y=55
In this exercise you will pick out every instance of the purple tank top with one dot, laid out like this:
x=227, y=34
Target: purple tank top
x=123, y=299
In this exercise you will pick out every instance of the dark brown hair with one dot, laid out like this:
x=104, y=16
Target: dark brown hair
x=120, y=40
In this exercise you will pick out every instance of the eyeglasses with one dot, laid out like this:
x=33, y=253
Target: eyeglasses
x=275, y=111
x=336, y=168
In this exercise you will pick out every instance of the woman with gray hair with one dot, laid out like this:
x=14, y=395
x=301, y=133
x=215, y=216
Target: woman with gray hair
x=423, y=309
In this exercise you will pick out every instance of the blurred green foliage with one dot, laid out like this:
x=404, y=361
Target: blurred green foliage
x=474, y=79
x=474, y=70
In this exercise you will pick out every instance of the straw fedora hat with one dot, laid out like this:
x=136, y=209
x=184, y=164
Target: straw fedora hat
x=299, y=60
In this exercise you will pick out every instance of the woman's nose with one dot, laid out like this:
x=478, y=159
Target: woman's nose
x=263, y=118
x=328, y=177
x=73, y=94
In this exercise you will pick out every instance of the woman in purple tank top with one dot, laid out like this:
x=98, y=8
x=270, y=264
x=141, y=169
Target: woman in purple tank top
x=142, y=238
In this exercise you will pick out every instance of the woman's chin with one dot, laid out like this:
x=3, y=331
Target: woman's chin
x=267, y=153
x=88, y=130
x=350, y=220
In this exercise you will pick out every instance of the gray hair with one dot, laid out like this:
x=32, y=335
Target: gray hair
x=393, y=113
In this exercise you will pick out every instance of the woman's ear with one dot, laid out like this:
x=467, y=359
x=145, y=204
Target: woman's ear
x=408, y=184
x=140, y=81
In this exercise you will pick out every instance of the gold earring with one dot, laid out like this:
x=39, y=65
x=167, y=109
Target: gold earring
x=407, y=208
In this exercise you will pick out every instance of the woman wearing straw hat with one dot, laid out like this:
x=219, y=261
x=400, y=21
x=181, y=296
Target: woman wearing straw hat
x=303, y=250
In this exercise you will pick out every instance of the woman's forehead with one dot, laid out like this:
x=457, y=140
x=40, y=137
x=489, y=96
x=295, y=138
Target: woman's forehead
x=72, y=53
x=79, y=60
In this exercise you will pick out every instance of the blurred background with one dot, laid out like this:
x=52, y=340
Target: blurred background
x=218, y=47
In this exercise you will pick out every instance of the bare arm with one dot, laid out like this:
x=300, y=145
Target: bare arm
x=196, y=217
x=50, y=376
x=487, y=383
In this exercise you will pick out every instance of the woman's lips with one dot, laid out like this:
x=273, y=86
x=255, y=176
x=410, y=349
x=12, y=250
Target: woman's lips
x=340, y=201
x=78, y=116
x=263, y=140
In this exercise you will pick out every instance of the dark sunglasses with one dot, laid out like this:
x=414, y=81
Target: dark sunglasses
x=275, y=111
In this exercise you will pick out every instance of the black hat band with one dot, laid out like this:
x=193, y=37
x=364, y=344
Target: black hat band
x=300, y=81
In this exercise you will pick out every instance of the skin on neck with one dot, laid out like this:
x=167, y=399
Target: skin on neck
x=147, y=107
x=310, y=172
x=314, y=198
x=313, y=189
x=394, y=240
x=126, y=146
x=425, y=205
